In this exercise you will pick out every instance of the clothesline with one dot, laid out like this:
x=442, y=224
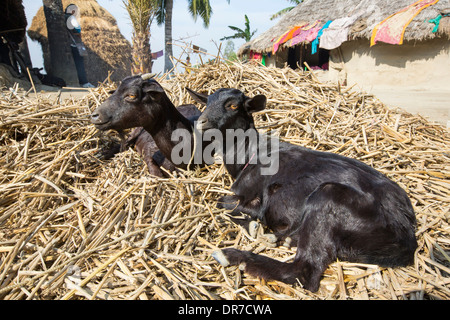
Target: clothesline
x=331, y=34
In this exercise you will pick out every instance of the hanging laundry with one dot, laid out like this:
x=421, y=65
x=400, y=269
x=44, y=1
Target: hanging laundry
x=437, y=20
x=255, y=55
x=199, y=50
x=392, y=29
x=337, y=32
x=285, y=37
x=158, y=54
x=315, y=42
x=307, y=32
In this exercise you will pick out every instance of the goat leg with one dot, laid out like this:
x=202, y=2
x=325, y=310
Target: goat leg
x=271, y=269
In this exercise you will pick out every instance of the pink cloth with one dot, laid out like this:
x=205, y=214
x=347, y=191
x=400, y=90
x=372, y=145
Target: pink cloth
x=392, y=29
x=286, y=37
x=306, y=34
x=255, y=55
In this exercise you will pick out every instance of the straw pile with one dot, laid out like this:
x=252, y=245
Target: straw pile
x=73, y=226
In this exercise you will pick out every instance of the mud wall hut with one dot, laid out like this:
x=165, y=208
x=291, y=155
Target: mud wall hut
x=348, y=50
x=108, y=50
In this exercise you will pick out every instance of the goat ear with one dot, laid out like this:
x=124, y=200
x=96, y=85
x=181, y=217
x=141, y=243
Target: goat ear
x=255, y=104
x=152, y=86
x=199, y=97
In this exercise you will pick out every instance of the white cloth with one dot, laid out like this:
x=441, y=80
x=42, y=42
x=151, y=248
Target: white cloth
x=72, y=23
x=337, y=32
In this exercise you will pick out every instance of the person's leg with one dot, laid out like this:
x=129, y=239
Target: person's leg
x=79, y=64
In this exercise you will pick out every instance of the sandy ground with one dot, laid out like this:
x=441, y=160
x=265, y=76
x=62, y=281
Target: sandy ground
x=431, y=104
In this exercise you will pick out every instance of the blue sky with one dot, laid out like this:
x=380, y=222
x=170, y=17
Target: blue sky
x=224, y=14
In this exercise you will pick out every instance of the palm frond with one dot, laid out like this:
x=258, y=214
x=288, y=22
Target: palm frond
x=236, y=29
x=160, y=12
x=241, y=34
x=285, y=10
x=202, y=9
x=141, y=13
x=281, y=12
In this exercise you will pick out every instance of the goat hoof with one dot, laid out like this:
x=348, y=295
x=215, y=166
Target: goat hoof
x=220, y=258
x=242, y=266
x=287, y=242
x=269, y=237
x=253, y=228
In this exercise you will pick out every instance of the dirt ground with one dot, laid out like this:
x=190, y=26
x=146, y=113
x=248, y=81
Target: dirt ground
x=431, y=104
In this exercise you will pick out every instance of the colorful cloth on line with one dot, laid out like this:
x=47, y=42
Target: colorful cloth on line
x=255, y=55
x=315, y=42
x=337, y=32
x=392, y=29
x=306, y=34
x=286, y=37
x=436, y=21
x=156, y=55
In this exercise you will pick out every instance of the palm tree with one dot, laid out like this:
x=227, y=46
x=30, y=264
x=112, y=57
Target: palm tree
x=142, y=13
x=197, y=8
x=241, y=34
x=285, y=10
x=164, y=15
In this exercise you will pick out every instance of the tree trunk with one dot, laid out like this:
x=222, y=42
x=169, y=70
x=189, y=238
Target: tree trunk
x=142, y=57
x=61, y=60
x=168, y=65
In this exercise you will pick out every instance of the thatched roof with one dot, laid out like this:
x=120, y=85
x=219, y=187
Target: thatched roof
x=372, y=12
x=108, y=50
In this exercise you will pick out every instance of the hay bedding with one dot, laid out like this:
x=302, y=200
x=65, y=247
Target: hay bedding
x=73, y=226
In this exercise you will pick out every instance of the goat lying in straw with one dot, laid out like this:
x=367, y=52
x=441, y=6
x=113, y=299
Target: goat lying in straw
x=331, y=207
x=141, y=102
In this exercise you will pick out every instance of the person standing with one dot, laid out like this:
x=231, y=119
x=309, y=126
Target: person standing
x=77, y=46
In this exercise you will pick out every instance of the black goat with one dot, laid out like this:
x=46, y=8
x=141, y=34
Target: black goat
x=141, y=102
x=330, y=206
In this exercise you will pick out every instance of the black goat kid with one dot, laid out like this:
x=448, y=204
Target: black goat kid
x=329, y=206
x=141, y=102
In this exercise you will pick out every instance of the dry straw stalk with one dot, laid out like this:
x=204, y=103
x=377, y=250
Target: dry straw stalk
x=73, y=226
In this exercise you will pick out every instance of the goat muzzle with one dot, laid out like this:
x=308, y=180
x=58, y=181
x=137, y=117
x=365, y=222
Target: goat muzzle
x=202, y=124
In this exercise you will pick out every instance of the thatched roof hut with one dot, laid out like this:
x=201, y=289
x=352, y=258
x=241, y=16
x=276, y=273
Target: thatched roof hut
x=108, y=50
x=419, y=60
x=371, y=12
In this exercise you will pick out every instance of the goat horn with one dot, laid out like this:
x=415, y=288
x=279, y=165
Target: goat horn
x=147, y=76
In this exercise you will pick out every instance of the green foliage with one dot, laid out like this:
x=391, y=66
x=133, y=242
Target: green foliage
x=285, y=10
x=197, y=8
x=245, y=34
x=228, y=52
x=141, y=13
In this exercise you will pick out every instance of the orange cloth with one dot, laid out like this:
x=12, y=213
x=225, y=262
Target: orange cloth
x=285, y=37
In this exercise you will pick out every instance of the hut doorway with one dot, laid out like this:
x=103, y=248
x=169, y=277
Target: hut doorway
x=302, y=53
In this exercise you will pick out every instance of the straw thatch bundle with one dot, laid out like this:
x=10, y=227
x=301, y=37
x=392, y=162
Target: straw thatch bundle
x=108, y=50
x=73, y=226
x=372, y=12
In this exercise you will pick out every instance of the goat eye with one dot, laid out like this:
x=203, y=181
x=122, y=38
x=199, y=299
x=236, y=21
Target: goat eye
x=233, y=106
x=131, y=96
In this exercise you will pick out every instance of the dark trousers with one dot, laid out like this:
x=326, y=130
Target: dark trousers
x=79, y=64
